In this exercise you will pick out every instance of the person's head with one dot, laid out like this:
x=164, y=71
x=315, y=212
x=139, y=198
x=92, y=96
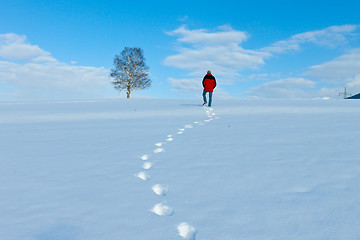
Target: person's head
x=209, y=72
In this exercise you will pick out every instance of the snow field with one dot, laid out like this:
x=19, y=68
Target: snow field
x=273, y=169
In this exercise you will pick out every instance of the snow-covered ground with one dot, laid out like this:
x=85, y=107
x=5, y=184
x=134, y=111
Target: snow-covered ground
x=173, y=169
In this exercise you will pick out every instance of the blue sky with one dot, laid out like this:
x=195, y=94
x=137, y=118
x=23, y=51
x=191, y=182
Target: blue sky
x=63, y=50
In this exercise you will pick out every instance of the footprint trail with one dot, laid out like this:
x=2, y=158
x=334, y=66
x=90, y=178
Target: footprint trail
x=185, y=230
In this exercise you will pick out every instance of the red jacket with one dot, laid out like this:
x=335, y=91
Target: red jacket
x=209, y=83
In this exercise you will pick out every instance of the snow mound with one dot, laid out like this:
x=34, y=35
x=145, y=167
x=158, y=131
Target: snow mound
x=186, y=231
x=160, y=189
x=162, y=210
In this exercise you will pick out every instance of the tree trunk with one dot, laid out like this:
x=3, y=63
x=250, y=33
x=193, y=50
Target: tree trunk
x=128, y=92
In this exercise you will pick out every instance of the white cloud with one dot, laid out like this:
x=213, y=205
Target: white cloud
x=328, y=93
x=353, y=85
x=342, y=71
x=218, y=51
x=49, y=76
x=355, y=81
x=187, y=85
x=330, y=37
x=285, y=88
x=221, y=52
x=15, y=47
x=294, y=88
x=338, y=70
x=225, y=36
x=42, y=73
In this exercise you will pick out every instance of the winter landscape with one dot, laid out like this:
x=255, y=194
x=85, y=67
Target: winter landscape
x=173, y=169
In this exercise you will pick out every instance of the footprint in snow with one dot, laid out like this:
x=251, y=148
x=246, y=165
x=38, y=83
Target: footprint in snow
x=160, y=189
x=170, y=138
x=186, y=231
x=180, y=132
x=188, y=126
x=143, y=176
x=158, y=144
x=159, y=150
x=144, y=157
x=162, y=210
x=147, y=165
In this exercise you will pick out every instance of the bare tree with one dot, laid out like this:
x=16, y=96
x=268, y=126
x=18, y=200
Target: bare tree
x=130, y=72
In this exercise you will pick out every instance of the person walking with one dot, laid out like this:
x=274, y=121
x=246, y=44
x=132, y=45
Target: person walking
x=209, y=83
